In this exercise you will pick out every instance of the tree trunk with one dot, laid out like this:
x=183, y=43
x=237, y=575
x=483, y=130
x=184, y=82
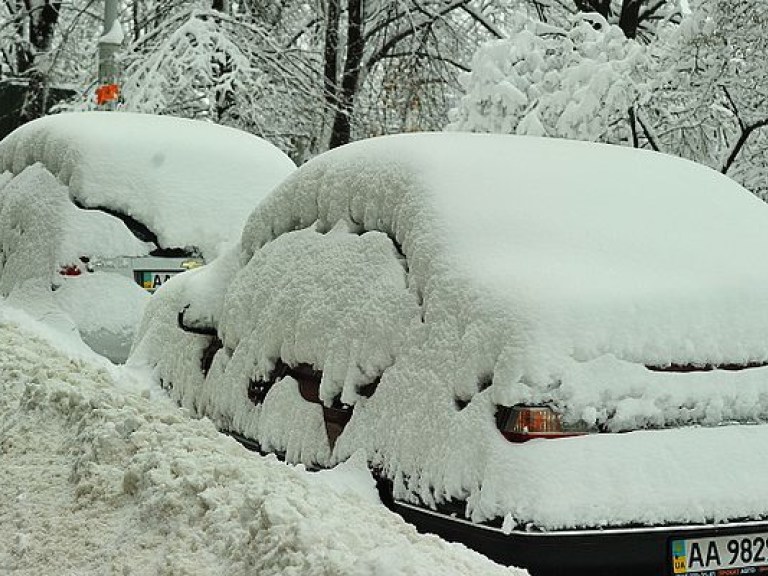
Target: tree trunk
x=629, y=19
x=24, y=55
x=331, y=55
x=602, y=7
x=221, y=6
x=43, y=20
x=224, y=98
x=342, y=123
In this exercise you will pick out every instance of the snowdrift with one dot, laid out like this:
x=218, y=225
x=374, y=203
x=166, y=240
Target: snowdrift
x=97, y=479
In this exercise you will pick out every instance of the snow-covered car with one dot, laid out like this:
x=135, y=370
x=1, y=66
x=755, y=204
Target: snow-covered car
x=97, y=210
x=554, y=351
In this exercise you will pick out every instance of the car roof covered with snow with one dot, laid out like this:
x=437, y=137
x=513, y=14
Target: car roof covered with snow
x=192, y=183
x=569, y=247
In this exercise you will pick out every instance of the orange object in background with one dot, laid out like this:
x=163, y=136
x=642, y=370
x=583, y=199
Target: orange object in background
x=107, y=93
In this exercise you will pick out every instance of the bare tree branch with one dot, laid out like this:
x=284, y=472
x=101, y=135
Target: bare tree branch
x=410, y=31
x=482, y=20
x=743, y=137
x=734, y=108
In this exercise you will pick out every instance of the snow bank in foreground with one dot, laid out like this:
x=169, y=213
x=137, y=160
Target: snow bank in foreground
x=71, y=345
x=192, y=183
x=97, y=481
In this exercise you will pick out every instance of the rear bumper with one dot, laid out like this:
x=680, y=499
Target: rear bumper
x=610, y=552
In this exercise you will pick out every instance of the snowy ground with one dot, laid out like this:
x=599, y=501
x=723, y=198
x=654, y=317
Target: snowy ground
x=102, y=475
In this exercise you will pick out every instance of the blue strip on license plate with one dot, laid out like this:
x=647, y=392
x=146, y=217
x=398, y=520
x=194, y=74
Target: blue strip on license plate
x=152, y=279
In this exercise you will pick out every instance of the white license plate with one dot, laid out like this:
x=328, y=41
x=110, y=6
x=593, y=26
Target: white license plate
x=721, y=556
x=152, y=279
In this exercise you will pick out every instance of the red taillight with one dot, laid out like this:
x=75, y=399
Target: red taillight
x=77, y=268
x=522, y=423
x=70, y=270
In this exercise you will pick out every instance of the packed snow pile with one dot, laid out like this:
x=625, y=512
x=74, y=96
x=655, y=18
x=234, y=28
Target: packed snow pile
x=512, y=270
x=106, y=308
x=191, y=183
x=98, y=479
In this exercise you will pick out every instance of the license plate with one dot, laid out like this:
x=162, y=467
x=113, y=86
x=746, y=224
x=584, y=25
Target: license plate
x=151, y=280
x=721, y=555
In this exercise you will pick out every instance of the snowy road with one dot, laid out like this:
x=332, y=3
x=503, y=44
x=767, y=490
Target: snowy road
x=98, y=479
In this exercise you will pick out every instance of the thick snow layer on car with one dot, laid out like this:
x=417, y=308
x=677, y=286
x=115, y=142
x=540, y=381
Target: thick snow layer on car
x=651, y=477
x=182, y=351
x=96, y=479
x=585, y=249
x=41, y=231
x=299, y=310
x=287, y=291
x=533, y=253
x=192, y=183
x=526, y=270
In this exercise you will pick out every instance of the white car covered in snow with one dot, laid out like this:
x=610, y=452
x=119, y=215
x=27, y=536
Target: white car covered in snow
x=97, y=210
x=554, y=351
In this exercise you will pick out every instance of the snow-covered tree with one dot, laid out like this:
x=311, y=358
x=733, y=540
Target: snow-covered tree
x=305, y=75
x=638, y=19
x=710, y=103
x=582, y=83
x=49, y=45
x=229, y=68
x=699, y=90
